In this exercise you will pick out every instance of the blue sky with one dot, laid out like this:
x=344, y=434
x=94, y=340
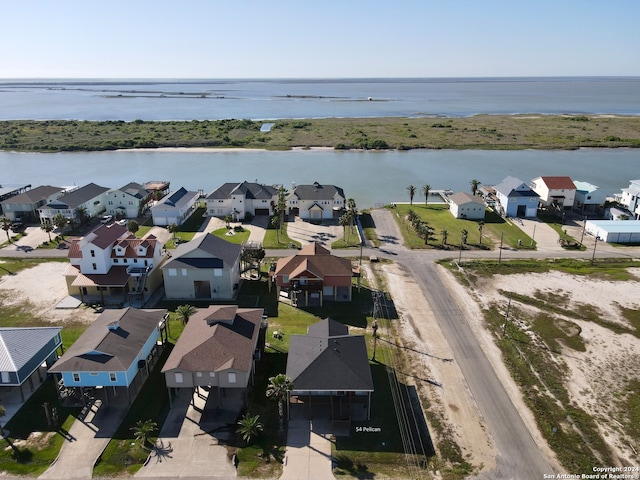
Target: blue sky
x=318, y=39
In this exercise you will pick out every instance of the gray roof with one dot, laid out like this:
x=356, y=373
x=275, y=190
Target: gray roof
x=111, y=343
x=510, y=185
x=19, y=345
x=317, y=192
x=34, y=195
x=135, y=190
x=321, y=361
x=82, y=195
x=248, y=190
x=178, y=198
x=461, y=198
x=206, y=251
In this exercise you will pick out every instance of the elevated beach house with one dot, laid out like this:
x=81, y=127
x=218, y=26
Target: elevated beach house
x=313, y=276
x=316, y=202
x=556, y=192
x=128, y=201
x=90, y=198
x=112, y=358
x=516, y=198
x=238, y=199
x=218, y=349
x=329, y=367
x=23, y=352
x=589, y=198
x=630, y=197
x=205, y=268
x=175, y=207
x=111, y=265
x=24, y=206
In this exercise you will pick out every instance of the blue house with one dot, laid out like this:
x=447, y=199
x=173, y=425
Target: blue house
x=115, y=351
x=516, y=198
x=22, y=352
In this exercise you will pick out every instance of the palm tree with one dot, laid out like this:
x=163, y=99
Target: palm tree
x=424, y=231
x=249, y=426
x=412, y=191
x=480, y=225
x=5, y=224
x=185, y=312
x=81, y=214
x=474, y=186
x=279, y=388
x=345, y=221
x=445, y=234
x=173, y=228
x=143, y=430
x=227, y=220
x=352, y=211
x=60, y=222
x=47, y=227
x=425, y=191
x=413, y=217
x=281, y=206
x=464, y=234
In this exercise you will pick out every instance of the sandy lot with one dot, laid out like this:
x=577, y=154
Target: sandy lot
x=596, y=376
x=42, y=287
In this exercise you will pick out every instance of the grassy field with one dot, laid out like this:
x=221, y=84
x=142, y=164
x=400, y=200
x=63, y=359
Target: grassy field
x=477, y=132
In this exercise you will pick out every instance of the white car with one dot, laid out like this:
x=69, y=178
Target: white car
x=123, y=222
x=106, y=218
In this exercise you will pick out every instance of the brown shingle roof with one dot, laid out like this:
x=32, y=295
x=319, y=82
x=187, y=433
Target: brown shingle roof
x=217, y=338
x=321, y=265
x=558, y=183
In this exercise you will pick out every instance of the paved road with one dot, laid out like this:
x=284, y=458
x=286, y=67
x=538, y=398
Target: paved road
x=519, y=456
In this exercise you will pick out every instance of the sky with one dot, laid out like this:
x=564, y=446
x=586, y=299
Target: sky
x=318, y=39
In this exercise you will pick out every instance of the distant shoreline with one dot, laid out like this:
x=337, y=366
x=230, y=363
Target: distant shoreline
x=480, y=132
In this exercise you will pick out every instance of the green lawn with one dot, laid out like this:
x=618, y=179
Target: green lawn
x=439, y=218
x=237, y=238
x=274, y=239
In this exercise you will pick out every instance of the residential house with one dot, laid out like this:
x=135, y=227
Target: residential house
x=588, y=197
x=24, y=206
x=465, y=205
x=217, y=349
x=313, y=276
x=556, y=192
x=128, y=201
x=114, y=265
x=239, y=199
x=175, y=207
x=316, y=202
x=516, y=199
x=205, y=268
x=630, y=197
x=331, y=366
x=91, y=198
x=115, y=351
x=614, y=231
x=23, y=352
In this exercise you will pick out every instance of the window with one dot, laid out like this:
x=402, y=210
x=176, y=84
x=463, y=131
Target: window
x=112, y=376
x=198, y=374
x=115, y=260
x=124, y=260
x=217, y=272
x=212, y=374
x=76, y=376
x=178, y=377
x=184, y=272
x=93, y=253
x=173, y=272
x=232, y=377
x=5, y=377
x=95, y=267
x=285, y=278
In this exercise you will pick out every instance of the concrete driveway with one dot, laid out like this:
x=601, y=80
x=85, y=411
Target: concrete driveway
x=306, y=232
x=187, y=446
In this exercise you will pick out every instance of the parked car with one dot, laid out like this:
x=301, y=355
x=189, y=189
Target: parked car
x=25, y=248
x=123, y=222
x=106, y=218
x=17, y=226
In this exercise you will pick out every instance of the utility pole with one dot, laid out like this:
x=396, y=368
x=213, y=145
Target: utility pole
x=584, y=226
x=500, y=253
x=506, y=316
x=595, y=244
x=374, y=327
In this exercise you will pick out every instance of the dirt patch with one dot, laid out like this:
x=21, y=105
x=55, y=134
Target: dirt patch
x=41, y=288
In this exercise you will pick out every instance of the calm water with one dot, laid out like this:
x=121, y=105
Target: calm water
x=273, y=99
x=368, y=177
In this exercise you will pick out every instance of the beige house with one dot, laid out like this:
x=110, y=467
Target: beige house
x=217, y=349
x=465, y=205
x=205, y=268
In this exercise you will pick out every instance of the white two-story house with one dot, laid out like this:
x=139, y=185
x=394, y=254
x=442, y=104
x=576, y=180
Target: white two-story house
x=630, y=197
x=316, y=202
x=558, y=192
x=128, y=201
x=114, y=265
x=238, y=199
x=91, y=198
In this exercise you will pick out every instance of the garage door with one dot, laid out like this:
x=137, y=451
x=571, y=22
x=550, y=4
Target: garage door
x=262, y=211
